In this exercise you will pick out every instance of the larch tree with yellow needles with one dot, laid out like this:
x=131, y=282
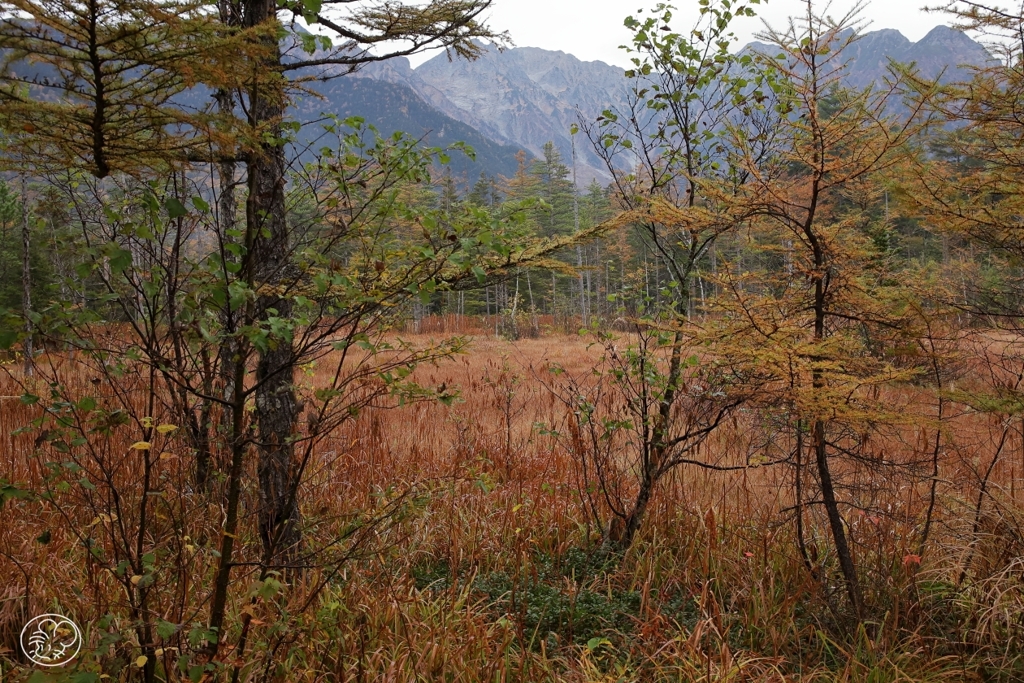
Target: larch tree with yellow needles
x=825, y=310
x=973, y=191
x=97, y=85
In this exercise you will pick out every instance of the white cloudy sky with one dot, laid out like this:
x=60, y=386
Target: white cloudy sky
x=592, y=29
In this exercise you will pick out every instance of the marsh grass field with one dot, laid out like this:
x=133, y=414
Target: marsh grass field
x=487, y=566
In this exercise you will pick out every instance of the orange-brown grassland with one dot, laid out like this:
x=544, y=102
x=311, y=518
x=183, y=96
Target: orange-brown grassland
x=469, y=539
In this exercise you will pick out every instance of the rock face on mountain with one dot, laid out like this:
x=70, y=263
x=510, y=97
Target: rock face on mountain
x=524, y=96
x=944, y=52
x=528, y=96
x=948, y=52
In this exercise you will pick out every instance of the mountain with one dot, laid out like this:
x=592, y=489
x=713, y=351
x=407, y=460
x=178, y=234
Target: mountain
x=505, y=102
x=395, y=107
x=943, y=51
x=523, y=96
x=527, y=96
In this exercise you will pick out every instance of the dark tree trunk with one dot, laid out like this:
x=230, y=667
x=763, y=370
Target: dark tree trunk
x=276, y=404
x=26, y=278
x=227, y=209
x=828, y=493
x=631, y=525
x=835, y=519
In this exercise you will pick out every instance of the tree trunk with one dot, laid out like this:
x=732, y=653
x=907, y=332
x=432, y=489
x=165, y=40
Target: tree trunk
x=226, y=211
x=835, y=519
x=623, y=539
x=26, y=278
x=277, y=408
x=828, y=493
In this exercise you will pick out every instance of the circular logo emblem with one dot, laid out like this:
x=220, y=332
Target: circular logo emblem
x=51, y=640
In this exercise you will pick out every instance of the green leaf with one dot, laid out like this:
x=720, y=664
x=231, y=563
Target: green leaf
x=175, y=209
x=269, y=588
x=8, y=335
x=165, y=629
x=40, y=676
x=10, y=492
x=120, y=259
x=83, y=270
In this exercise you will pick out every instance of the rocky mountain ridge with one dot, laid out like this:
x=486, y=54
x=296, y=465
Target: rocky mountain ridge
x=943, y=51
x=523, y=96
x=527, y=96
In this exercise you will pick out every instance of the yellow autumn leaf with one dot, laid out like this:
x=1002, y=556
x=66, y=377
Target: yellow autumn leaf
x=159, y=652
x=147, y=422
x=140, y=446
x=135, y=580
x=141, y=661
x=166, y=429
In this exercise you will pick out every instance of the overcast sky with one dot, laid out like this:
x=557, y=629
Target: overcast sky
x=592, y=29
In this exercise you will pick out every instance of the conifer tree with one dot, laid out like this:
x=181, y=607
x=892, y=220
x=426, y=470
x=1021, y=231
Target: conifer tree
x=97, y=85
x=553, y=185
x=972, y=189
x=817, y=312
x=359, y=26
x=485, y=191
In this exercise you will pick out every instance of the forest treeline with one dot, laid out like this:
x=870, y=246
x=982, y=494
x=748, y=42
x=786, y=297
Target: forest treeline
x=799, y=306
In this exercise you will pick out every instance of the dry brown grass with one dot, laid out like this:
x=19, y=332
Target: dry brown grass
x=457, y=589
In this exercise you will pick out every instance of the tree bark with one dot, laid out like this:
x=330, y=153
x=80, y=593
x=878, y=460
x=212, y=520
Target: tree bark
x=835, y=519
x=828, y=493
x=227, y=209
x=276, y=404
x=636, y=516
x=26, y=278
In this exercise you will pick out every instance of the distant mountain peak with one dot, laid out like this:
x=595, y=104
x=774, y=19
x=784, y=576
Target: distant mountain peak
x=526, y=96
x=946, y=36
x=942, y=51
